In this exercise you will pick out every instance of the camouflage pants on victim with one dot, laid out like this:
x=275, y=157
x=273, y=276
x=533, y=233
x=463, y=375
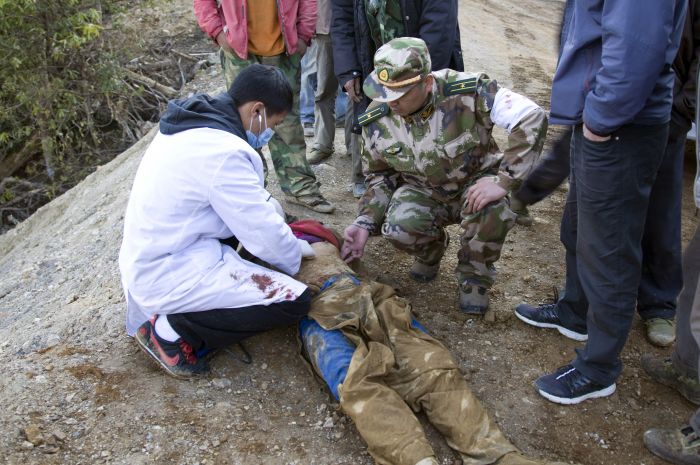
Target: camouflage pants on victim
x=287, y=146
x=415, y=222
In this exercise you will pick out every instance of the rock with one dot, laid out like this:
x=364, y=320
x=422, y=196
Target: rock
x=33, y=435
x=59, y=435
x=221, y=383
x=26, y=445
x=328, y=423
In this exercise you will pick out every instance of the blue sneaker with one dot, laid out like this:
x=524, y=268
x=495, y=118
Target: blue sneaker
x=569, y=386
x=546, y=316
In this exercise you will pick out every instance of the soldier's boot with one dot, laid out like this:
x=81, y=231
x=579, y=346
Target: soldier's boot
x=315, y=202
x=422, y=272
x=520, y=209
x=473, y=299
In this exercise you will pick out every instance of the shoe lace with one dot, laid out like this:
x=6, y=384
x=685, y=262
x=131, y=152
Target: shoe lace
x=188, y=352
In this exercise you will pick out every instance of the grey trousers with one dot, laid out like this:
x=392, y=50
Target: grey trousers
x=324, y=99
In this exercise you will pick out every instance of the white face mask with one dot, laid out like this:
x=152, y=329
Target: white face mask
x=257, y=141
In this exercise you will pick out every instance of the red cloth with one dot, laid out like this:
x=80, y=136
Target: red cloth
x=314, y=228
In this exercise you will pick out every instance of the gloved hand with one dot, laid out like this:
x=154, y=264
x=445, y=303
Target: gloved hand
x=306, y=250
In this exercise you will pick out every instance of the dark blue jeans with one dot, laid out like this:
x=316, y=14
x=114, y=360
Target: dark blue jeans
x=603, y=227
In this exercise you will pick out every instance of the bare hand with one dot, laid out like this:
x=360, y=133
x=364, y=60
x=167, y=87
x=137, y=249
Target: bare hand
x=223, y=43
x=482, y=193
x=354, y=90
x=355, y=239
x=593, y=137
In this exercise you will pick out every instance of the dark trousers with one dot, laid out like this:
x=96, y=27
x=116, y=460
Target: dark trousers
x=216, y=329
x=602, y=229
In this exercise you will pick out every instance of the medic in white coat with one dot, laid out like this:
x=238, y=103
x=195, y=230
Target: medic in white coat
x=201, y=181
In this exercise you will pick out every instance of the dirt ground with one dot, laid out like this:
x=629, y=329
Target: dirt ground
x=76, y=390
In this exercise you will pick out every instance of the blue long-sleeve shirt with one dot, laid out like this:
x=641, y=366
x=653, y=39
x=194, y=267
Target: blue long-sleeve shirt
x=615, y=63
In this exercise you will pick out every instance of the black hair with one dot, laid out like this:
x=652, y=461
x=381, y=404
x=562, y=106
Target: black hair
x=263, y=83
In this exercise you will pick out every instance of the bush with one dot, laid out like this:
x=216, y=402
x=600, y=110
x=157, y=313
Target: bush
x=62, y=96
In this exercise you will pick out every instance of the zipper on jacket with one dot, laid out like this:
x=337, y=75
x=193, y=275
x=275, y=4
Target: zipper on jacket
x=280, y=18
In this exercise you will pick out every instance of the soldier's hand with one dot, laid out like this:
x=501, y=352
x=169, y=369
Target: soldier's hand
x=223, y=43
x=301, y=48
x=354, y=89
x=482, y=193
x=354, y=240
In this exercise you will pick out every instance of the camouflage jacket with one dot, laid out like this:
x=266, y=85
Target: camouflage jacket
x=448, y=144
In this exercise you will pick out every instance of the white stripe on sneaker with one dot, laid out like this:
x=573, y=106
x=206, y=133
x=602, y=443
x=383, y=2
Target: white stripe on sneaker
x=565, y=373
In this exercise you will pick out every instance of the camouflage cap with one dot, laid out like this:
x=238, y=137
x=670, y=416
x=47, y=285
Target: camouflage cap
x=399, y=65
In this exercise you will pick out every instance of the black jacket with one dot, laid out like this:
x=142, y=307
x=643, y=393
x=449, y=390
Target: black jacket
x=434, y=21
x=686, y=67
x=202, y=111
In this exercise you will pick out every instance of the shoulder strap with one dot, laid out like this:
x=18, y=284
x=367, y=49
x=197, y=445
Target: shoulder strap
x=373, y=114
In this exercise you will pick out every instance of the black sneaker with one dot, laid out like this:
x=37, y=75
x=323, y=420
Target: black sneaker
x=545, y=316
x=680, y=446
x=569, y=386
x=176, y=358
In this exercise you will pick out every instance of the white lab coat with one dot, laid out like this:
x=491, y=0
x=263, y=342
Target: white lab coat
x=192, y=189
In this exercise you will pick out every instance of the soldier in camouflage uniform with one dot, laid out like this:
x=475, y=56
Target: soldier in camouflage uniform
x=432, y=161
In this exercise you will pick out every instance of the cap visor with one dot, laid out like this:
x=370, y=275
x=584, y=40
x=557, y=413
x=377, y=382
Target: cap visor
x=378, y=92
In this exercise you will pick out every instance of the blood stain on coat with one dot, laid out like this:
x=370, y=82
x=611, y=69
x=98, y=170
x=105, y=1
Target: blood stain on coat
x=263, y=281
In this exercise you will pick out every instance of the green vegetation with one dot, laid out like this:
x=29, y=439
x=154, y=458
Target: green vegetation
x=65, y=107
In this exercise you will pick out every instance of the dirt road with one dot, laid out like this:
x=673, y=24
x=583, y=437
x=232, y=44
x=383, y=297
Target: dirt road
x=76, y=390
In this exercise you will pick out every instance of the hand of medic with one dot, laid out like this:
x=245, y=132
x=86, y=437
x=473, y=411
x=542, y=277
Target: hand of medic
x=306, y=250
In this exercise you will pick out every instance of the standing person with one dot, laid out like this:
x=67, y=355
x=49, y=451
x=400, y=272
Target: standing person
x=271, y=32
x=661, y=278
x=432, y=161
x=360, y=27
x=614, y=84
x=326, y=91
x=682, y=445
x=200, y=184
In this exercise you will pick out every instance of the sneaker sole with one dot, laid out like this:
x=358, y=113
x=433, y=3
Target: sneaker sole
x=575, y=400
x=562, y=330
x=155, y=359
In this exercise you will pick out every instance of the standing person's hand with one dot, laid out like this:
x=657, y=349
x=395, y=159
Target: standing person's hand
x=588, y=134
x=223, y=43
x=483, y=192
x=354, y=240
x=354, y=89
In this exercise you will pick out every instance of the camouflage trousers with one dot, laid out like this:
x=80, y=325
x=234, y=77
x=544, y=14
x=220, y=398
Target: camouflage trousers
x=397, y=370
x=287, y=146
x=415, y=222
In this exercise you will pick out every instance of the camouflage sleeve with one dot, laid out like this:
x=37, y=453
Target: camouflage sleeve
x=381, y=180
x=525, y=144
x=525, y=122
